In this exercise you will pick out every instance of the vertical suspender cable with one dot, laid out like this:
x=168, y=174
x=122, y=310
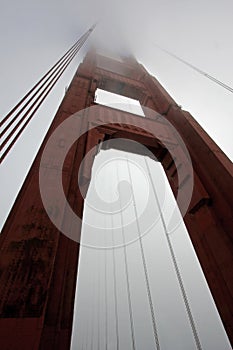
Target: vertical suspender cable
x=94, y=289
x=93, y=326
x=87, y=331
x=83, y=339
x=176, y=267
x=126, y=272
x=85, y=335
x=89, y=314
x=106, y=296
x=115, y=285
x=98, y=307
x=155, y=331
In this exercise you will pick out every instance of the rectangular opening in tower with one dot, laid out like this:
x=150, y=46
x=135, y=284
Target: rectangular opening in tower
x=128, y=271
x=120, y=102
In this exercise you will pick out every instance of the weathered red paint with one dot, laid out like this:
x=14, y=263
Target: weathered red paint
x=39, y=265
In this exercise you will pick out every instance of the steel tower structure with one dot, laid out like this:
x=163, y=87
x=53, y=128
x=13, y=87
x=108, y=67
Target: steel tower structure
x=39, y=264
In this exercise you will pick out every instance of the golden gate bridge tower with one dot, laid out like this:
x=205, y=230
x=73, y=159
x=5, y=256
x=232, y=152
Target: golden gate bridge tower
x=38, y=263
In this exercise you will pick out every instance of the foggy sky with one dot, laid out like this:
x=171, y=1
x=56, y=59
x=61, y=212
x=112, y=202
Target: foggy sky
x=33, y=35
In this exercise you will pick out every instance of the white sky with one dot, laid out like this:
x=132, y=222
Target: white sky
x=118, y=101
x=33, y=35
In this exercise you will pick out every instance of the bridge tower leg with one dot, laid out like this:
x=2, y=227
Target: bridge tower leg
x=38, y=264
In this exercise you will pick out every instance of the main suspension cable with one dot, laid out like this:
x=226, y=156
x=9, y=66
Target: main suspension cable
x=42, y=96
x=41, y=99
x=44, y=77
x=155, y=330
x=64, y=60
x=176, y=267
x=44, y=91
x=217, y=81
x=126, y=271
